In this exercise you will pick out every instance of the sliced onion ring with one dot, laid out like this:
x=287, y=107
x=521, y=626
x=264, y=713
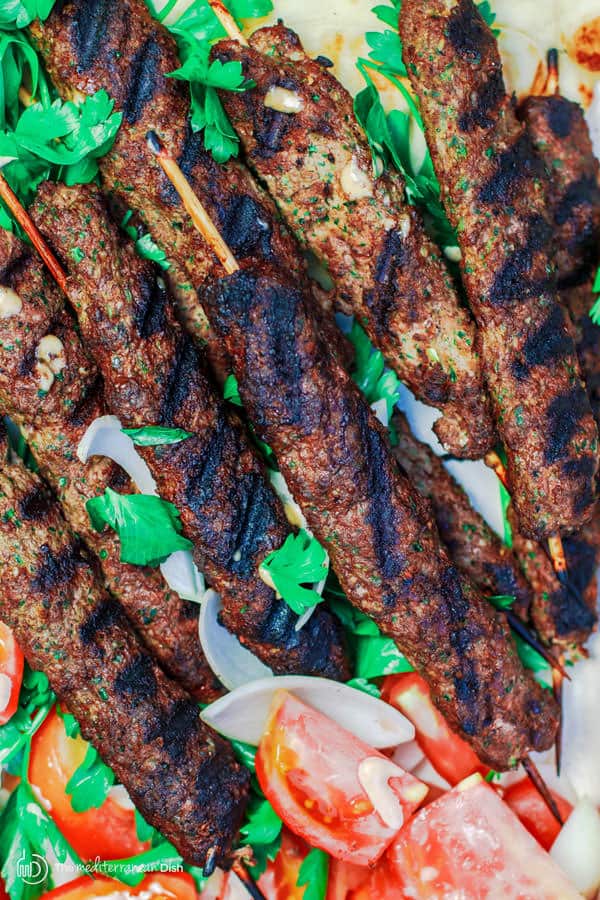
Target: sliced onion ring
x=232, y=663
x=243, y=714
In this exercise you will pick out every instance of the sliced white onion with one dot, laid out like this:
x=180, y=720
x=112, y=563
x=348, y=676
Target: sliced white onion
x=374, y=775
x=424, y=771
x=408, y=756
x=104, y=437
x=581, y=729
x=577, y=848
x=5, y=691
x=243, y=714
x=232, y=663
x=380, y=409
x=593, y=120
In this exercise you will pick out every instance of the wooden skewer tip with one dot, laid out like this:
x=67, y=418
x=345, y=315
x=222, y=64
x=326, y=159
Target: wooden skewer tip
x=542, y=788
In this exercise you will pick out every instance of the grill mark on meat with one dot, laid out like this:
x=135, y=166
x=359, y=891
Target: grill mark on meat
x=151, y=305
x=514, y=165
x=467, y=33
x=144, y=79
x=565, y=413
x=54, y=570
x=271, y=125
x=192, y=152
x=245, y=229
x=560, y=115
x=583, y=192
x=581, y=470
x=546, y=346
x=255, y=502
x=486, y=102
x=91, y=22
x=183, y=373
x=34, y=505
x=137, y=679
x=176, y=728
x=102, y=618
x=513, y=281
x=382, y=300
x=569, y=610
x=208, y=459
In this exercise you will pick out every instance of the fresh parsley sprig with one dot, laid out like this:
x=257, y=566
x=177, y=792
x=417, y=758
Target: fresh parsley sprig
x=19, y=13
x=149, y=528
x=369, y=372
x=301, y=560
x=595, y=310
x=314, y=873
x=156, y=435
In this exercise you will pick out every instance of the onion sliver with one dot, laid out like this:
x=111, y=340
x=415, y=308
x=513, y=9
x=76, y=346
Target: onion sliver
x=183, y=576
x=577, y=848
x=233, y=664
x=380, y=409
x=243, y=714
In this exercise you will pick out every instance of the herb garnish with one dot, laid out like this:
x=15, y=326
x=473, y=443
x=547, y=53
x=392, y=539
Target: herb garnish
x=149, y=528
x=369, y=372
x=314, y=873
x=595, y=310
x=299, y=561
x=92, y=780
x=156, y=435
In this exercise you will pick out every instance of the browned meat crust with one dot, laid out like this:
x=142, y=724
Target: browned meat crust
x=94, y=44
x=472, y=545
x=578, y=301
x=561, y=138
x=153, y=376
x=182, y=776
x=495, y=194
x=317, y=165
x=563, y=618
x=379, y=533
x=54, y=421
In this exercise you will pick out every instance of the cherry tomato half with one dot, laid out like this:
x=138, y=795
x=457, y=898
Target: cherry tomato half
x=526, y=803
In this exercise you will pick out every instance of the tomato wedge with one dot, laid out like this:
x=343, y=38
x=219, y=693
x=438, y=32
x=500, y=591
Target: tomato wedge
x=168, y=885
x=280, y=880
x=11, y=673
x=314, y=773
x=526, y=803
x=469, y=843
x=450, y=756
x=346, y=881
x=108, y=832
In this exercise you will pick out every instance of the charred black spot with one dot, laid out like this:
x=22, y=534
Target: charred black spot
x=455, y=601
x=324, y=62
x=383, y=297
x=580, y=473
x=270, y=125
x=246, y=227
x=183, y=374
x=564, y=416
x=144, y=78
x=85, y=408
x=106, y=614
x=390, y=562
x=255, y=516
x=514, y=281
x=488, y=98
x=202, y=479
x=504, y=580
x=176, y=727
x=150, y=304
x=570, y=614
x=516, y=164
x=561, y=115
x=192, y=153
x=467, y=32
x=306, y=651
x=137, y=679
x=547, y=345
x=34, y=505
x=56, y=569
x=583, y=192
x=467, y=690
x=90, y=29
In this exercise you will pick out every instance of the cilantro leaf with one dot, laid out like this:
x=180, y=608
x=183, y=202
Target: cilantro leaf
x=149, y=528
x=244, y=753
x=595, y=310
x=386, y=48
x=502, y=601
x=377, y=656
x=90, y=783
x=367, y=687
x=19, y=13
x=231, y=391
x=144, y=244
x=314, y=873
x=156, y=435
x=262, y=830
x=300, y=560
x=530, y=658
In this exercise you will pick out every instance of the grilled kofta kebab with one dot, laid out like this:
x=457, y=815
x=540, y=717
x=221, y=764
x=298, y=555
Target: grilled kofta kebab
x=299, y=135
x=562, y=140
x=51, y=389
x=153, y=376
x=90, y=45
x=493, y=185
x=561, y=617
x=182, y=777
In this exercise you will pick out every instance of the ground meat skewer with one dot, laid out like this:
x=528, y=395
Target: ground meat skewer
x=182, y=777
x=153, y=376
x=96, y=44
x=495, y=195
x=472, y=545
x=50, y=388
x=300, y=136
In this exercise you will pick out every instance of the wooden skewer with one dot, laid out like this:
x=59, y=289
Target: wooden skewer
x=247, y=880
x=557, y=687
x=552, y=86
x=31, y=230
x=494, y=462
x=207, y=229
x=527, y=635
x=227, y=21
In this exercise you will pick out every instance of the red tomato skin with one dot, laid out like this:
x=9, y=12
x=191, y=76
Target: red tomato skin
x=175, y=885
x=12, y=664
x=298, y=755
x=526, y=803
x=108, y=832
x=280, y=879
x=345, y=880
x=449, y=754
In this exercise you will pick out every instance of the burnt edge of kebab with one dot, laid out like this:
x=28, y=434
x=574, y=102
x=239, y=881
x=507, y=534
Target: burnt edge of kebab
x=182, y=776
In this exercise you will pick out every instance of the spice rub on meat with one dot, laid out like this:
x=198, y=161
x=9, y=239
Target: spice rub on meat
x=493, y=185
x=52, y=390
x=382, y=541
x=181, y=776
x=153, y=375
x=299, y=135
